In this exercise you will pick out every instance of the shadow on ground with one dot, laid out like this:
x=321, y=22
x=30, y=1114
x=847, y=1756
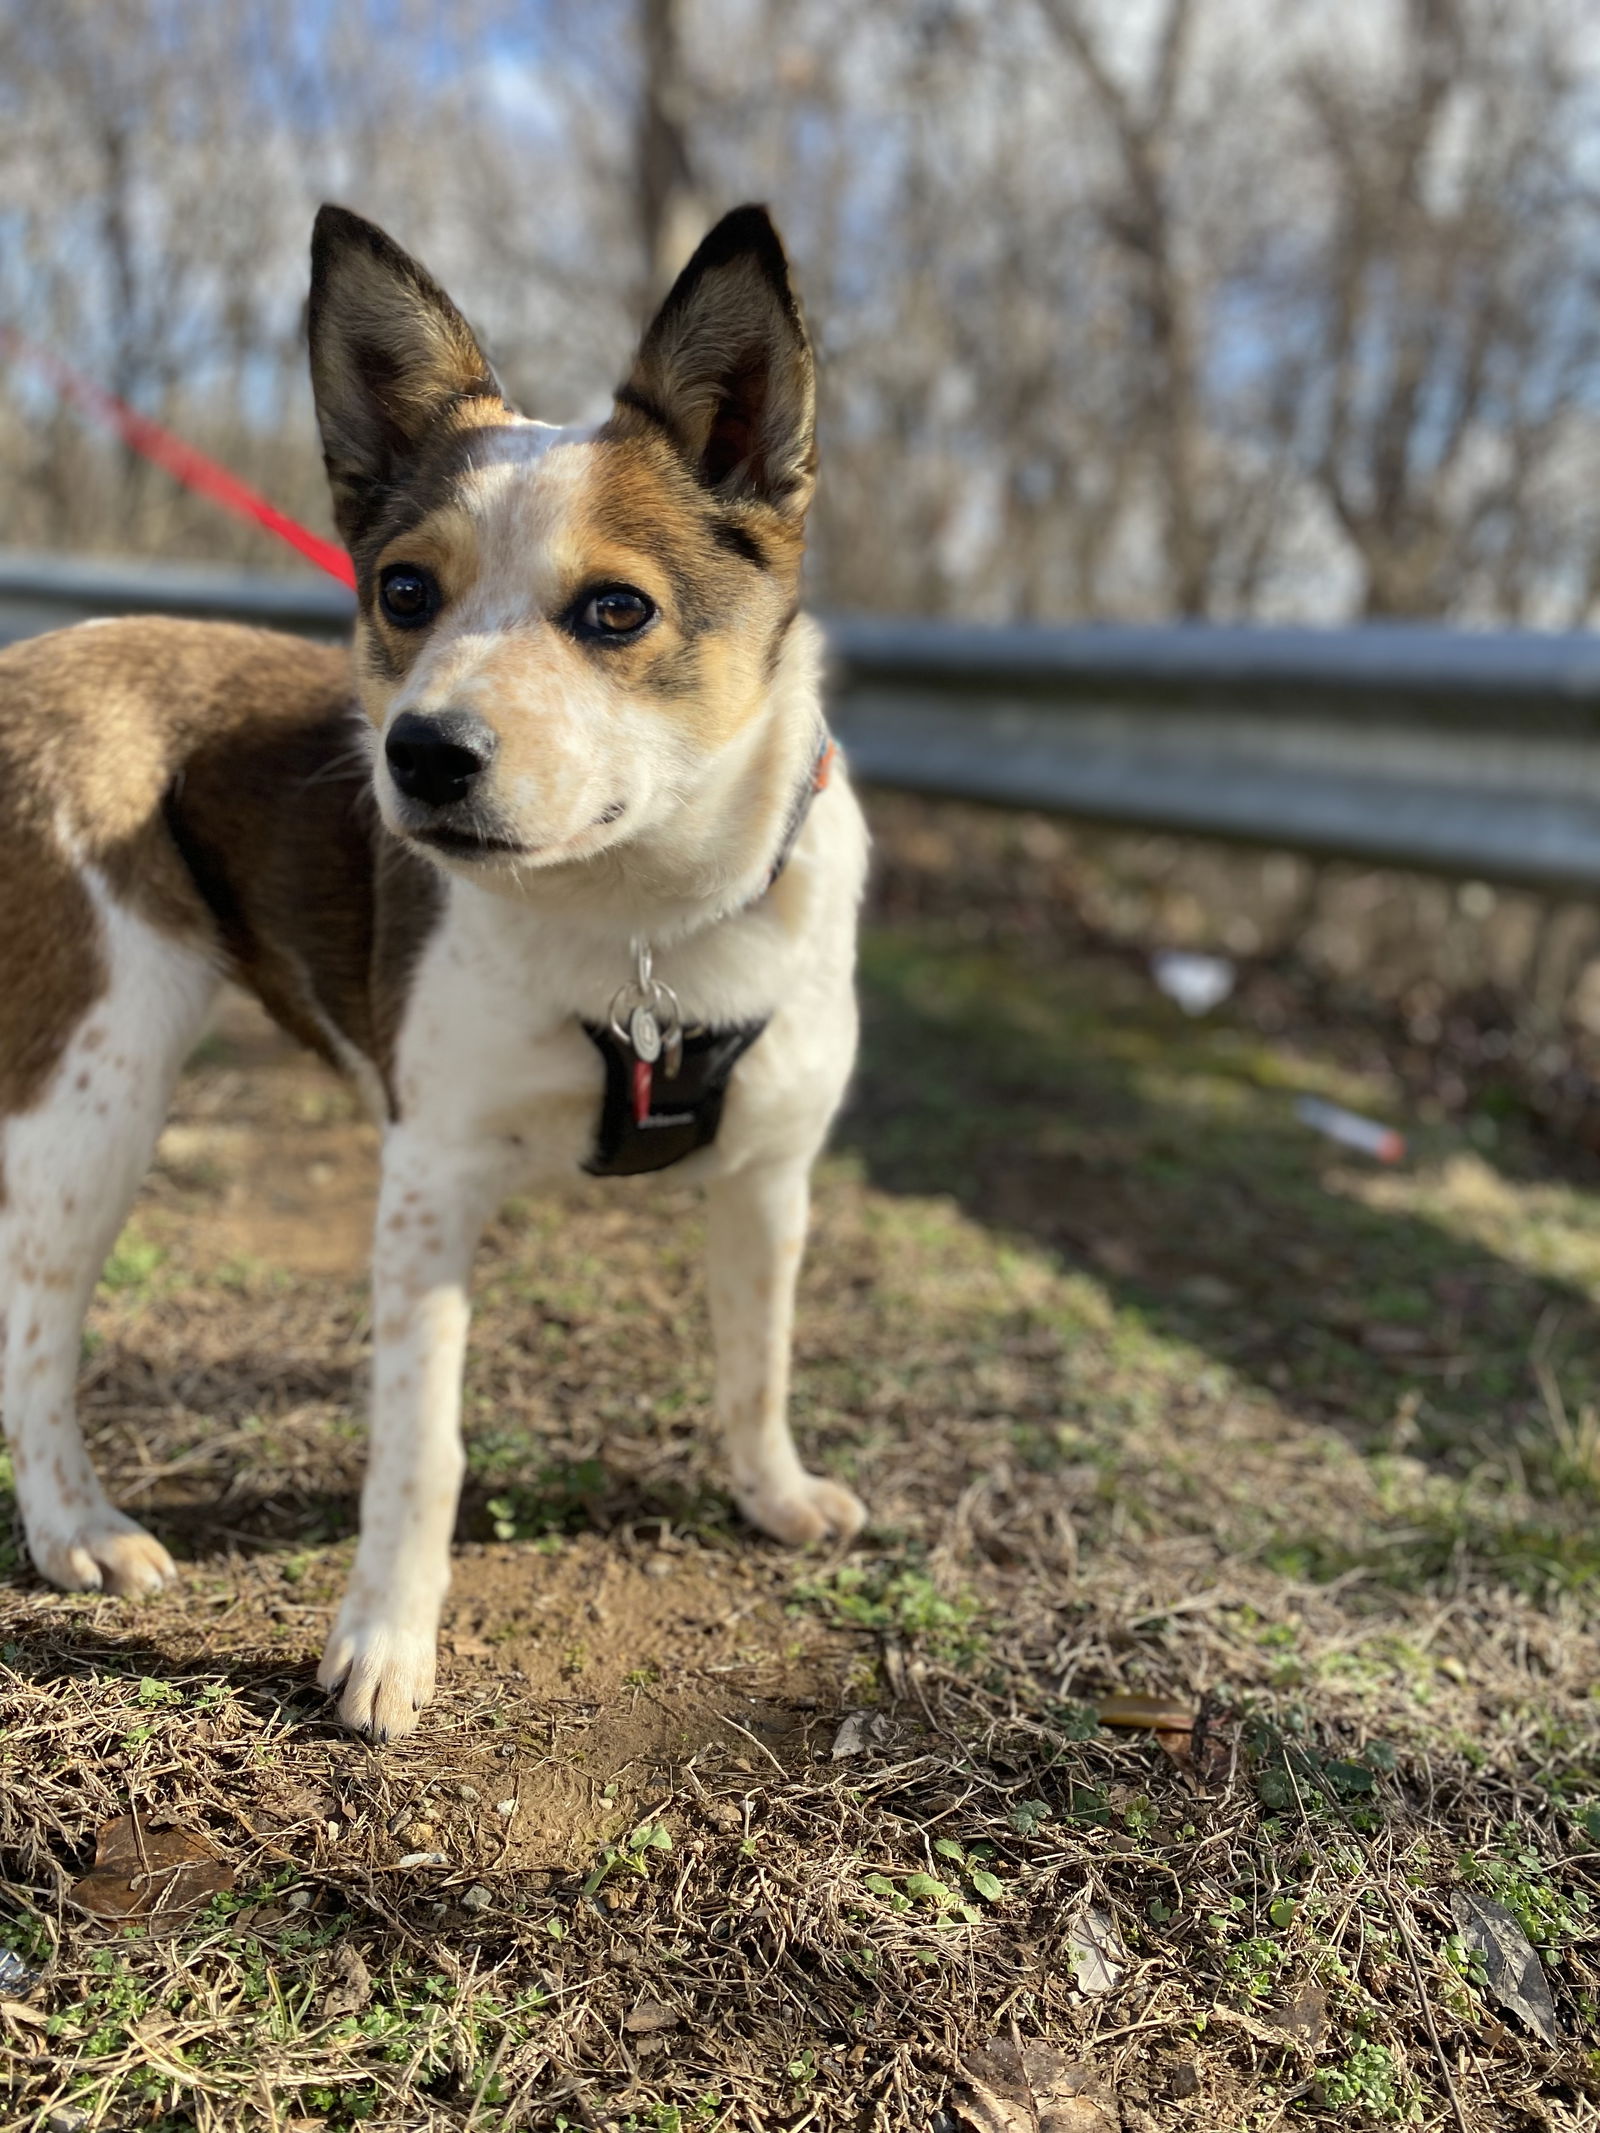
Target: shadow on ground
x=1071, y=1107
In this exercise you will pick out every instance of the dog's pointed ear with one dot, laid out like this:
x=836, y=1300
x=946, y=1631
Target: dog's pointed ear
x=725, y=368
x=390, y=355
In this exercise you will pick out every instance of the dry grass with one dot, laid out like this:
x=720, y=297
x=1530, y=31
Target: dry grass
x=1149, y=1395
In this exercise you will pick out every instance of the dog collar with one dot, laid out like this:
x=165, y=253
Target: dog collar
x=665, y=1084
x=800, y=807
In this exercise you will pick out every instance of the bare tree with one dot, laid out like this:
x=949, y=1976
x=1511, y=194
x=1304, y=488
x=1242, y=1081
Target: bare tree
x=1138, y=217
x=672, y=212
x=1450, y=285
x=1223, y=307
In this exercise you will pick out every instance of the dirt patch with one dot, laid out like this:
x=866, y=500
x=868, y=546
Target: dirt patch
x=644, y=1666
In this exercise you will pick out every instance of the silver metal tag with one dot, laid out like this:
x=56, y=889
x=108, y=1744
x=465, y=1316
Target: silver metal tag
x=646, y=1016
x=644, y=1034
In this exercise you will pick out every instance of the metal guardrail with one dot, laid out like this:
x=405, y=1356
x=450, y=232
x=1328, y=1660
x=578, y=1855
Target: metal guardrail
x=47, y=592
x=1473, y=753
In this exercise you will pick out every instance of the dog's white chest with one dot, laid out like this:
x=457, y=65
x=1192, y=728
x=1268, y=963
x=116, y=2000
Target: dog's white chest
x=481, y=1058
x=494, y=1046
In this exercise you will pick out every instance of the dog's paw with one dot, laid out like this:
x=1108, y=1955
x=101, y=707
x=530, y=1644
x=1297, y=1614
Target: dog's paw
x=803, y=1513
x=381, y=1672
x=102, y=1552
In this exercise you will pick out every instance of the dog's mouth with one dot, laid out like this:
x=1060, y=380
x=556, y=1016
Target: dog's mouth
x=471, y=844
x=483, y=844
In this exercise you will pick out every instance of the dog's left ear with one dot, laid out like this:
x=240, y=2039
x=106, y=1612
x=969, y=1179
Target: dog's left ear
x=390, y=355
x=725, y=367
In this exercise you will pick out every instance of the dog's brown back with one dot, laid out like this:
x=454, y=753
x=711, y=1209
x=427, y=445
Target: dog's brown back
x=217, y=778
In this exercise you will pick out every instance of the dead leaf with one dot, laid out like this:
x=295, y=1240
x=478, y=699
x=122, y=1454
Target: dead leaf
x=140, y=1872
x=1096, y=1953
x=1165, y=1714
x=1514, y=1972
x=1305, y=2017
x=350, y=1988
x=1197, y=1749
x=1029, y=2088
x=649, y=2018
x=860, y=1731
x=294, y=1802
x=20, y=2012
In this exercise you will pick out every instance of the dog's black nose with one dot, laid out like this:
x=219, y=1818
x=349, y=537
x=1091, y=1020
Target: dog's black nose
x=437, y=760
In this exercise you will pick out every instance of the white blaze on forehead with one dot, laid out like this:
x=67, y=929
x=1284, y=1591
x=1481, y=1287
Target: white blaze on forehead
x=524, y=494
x=520, y=442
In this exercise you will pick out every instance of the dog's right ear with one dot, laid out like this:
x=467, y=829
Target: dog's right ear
x=390, y=355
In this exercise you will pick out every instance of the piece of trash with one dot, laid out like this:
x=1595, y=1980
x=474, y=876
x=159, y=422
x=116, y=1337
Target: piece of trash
x=650, y=2018
x=420, y=1859
x=16, y=1979
x=1163, y=1713
x=861, y=1730
x=1012, y=2087
x=1350, y=1129
x=1511, y=1968
x=1196, y=983
x=1171, y=1722
x=1096, y=1953
x=351, y=1988
x=140, y=1872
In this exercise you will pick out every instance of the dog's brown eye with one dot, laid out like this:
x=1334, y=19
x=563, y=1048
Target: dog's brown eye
x=409, y=597
x=617, y=611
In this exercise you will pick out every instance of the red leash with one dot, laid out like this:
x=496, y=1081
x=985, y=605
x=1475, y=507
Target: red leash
x=186, y=465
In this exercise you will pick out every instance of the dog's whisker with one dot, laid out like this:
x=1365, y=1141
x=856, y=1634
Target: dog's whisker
x=355, y=762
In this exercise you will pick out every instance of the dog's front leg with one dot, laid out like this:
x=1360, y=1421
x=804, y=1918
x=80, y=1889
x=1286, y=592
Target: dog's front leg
x=431, y=1211
x=757, y=1233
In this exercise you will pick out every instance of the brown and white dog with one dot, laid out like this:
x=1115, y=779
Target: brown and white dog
x=581, y=733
